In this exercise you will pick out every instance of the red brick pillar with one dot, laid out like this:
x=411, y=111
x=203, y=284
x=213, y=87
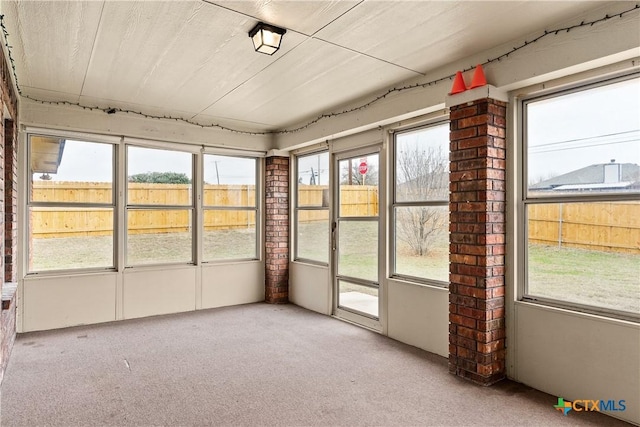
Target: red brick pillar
x=477, y=239
x=277, y=230
x=10, y=201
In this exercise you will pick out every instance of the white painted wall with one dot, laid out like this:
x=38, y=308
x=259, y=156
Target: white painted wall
x=51, y=302
x=418, y=315
x=59, y=301
x=310, y=287
x=578, y=356
x=150, y=292
x=232, y=284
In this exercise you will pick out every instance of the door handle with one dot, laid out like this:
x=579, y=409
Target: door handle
x=333, y=235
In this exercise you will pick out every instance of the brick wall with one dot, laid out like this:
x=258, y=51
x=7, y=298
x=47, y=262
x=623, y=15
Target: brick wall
x=477, y=241
x=9, y=173
x=10, y=202
x=7, y=326
x=277, y=230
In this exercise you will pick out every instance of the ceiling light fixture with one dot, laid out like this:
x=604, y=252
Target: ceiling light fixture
x=266, y=38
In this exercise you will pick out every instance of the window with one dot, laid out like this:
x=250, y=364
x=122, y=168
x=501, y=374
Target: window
x=230, y=206
x=312, y=208
x=420, y=216
x=581, y=209
x=71, y=204
x=159, y=206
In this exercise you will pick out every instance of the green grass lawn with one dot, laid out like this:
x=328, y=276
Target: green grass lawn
x=91, y=252
x=606, y=279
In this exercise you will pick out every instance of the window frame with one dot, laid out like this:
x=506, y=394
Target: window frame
x=440, y=121
x=158, y=207
x=524, y=200
x=30, y=203
x=297, y=208
x=255, y=208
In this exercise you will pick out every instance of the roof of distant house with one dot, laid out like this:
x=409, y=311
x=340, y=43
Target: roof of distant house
x=595, y=177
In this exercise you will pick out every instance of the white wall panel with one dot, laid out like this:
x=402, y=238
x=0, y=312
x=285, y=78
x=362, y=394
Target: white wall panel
x=578, y=356
x=150, y=292
x=61, y=301
x=310, y=287
x=419, y=316
x=232, y=284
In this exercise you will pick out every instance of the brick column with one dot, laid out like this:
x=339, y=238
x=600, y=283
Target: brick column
x=477, y=239
x=277, y=230
x=10, y=201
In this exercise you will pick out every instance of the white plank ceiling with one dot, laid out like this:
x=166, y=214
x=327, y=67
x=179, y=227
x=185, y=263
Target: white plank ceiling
x=194, y=59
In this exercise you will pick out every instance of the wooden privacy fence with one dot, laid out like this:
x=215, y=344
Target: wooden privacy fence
x=77, y=222
x=611, y=226
x=606, y=226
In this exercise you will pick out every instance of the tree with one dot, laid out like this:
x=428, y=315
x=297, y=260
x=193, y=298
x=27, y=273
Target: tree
x=161, y=178
x=422, y=175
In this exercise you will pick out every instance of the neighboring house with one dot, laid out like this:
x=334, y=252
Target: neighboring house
x=599, y=177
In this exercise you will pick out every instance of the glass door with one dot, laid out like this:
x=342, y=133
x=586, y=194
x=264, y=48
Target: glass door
x=356, y=231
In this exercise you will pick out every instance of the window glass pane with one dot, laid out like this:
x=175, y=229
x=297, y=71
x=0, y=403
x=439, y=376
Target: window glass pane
x=585, y=142
x=313, y=180
x=68, y=171
x=422, y=164
x=158, y=236
x=422, y=242
x=359, y=186
x=313, y=235
x=229, y=181
x=585, y=253
x=229, y=234
x=233, y=195
x=358, y=249
x=158, y=177
x=66, y=238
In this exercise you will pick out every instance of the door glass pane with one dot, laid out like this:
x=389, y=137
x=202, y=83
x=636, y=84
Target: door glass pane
x=359, y=186
x=357, y=297
x=358, y=249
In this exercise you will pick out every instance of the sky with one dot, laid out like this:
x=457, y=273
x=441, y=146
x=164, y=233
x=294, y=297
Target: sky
x=91, y=162
x=565, y=133
x=585, y=128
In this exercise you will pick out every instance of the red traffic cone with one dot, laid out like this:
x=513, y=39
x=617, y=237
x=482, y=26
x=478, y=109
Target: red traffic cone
x=458, y=84
x=478, y=78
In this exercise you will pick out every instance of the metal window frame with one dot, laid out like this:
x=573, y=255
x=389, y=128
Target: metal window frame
x=525, y=200
x=255, y=208
x=30, y=203
x=440, y=121
x=297, y=208
x=155, y=207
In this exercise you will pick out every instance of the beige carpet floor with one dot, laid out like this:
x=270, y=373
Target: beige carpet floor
x=255, y=364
